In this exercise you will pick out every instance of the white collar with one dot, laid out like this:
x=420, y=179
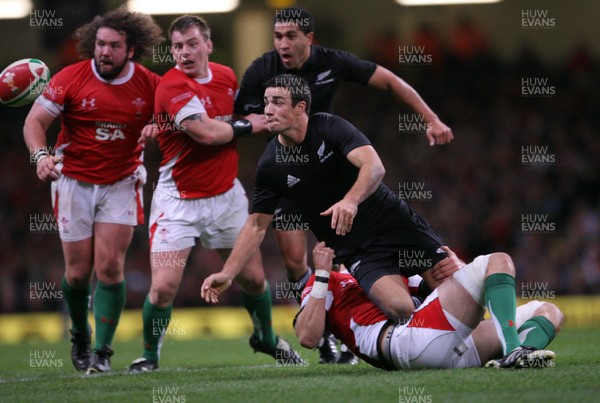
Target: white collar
x=116, y=81
x=204, y=80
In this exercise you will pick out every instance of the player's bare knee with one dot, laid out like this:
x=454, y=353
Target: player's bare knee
x=399, y=311
x=78, y=274
x=110, y=274
x=501, y=262
x=294, y=263
x=163, y=294
x=552, y=313
x=109, y=266
x=77, y=280
x=252, y=286
x=252, y=278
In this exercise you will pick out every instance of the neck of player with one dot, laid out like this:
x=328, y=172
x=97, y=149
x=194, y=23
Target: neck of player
x=202, y=72
x=304, y=59
x=296, y=133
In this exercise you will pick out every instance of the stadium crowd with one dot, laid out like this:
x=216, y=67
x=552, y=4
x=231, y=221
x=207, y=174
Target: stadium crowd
x=522, y=174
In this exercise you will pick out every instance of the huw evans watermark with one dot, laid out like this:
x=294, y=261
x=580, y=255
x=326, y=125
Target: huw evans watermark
x=290, y=155
x=43, y=224
x=167, y=327
x=411, y=55
x=44, y=291
x=412, y=123
x=167, y=394
x=537, y=19
x=414, y=191
x=537, y=87
x=44, y=359
x=168, y=260
x=45, y=19
x=293, y=17
x=288, y=358
x=537, y=224
x=537, y=155
x=536, y=290
x=286, y=291
x=413, y=260
x=413, y=394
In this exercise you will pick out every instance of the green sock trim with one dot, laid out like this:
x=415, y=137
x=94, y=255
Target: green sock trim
x=500, y=279
x=156, y=321
x=109, y=300
x=77, y=301
x=541, y=334
x=259, y=308
x=502, y=304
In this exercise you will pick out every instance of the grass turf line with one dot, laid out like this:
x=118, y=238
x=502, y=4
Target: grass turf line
x=228, y=371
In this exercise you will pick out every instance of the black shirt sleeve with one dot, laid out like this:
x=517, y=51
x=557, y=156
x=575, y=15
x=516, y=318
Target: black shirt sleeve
x=343, y=134
x=356, y=70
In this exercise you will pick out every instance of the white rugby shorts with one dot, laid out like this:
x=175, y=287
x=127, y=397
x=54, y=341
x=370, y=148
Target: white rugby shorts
x=433, y=338
x=78, y=205
x=430, y=339
x=176, y=223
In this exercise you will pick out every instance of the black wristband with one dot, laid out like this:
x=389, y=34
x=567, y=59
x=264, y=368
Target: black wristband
x=322, y=279
x=241, y=128
x=424, y=289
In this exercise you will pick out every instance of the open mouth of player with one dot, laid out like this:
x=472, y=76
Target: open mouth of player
x=286, y=58
x=105, y=63
x=187, y=63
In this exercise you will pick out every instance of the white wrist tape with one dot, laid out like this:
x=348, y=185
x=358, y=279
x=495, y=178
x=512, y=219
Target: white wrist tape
x=40, y=154
x=319, y=290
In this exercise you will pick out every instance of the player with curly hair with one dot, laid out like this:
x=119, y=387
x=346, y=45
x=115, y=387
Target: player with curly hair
x=103, y=103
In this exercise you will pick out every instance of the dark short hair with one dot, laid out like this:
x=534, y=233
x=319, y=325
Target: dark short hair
x=296, y=86
x=297, y=16
x=141, y=32
x=185, y=22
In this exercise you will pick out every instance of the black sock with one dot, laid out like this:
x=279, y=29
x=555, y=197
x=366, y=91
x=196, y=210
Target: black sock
x=298, y=286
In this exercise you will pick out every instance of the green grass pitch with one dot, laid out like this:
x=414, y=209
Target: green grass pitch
x=228, y=371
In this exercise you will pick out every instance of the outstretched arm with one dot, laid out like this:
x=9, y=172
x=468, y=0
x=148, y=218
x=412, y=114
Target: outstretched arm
x=384, y=80
x=246, y=245
x=310, y=322
x=206, y=131
x=370, y=173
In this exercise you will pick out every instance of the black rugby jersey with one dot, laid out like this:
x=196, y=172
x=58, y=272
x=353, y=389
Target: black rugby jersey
x=317, y=174
x=324, y=70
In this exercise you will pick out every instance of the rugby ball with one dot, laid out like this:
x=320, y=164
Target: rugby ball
x=23, y=81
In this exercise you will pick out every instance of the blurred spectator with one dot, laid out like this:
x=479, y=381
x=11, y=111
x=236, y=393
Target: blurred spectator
x=383, y=49
x=427, y=38
x=468, y=40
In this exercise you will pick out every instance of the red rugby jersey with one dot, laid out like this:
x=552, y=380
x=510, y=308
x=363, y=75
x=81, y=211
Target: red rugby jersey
x=349, y=310
x=188, y=169
x=101, y=120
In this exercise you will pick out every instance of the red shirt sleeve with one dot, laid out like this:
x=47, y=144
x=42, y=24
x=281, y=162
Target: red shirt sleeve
x=173, y=94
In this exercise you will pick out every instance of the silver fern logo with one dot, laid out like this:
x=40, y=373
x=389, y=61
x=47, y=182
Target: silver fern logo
x=321, y=153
